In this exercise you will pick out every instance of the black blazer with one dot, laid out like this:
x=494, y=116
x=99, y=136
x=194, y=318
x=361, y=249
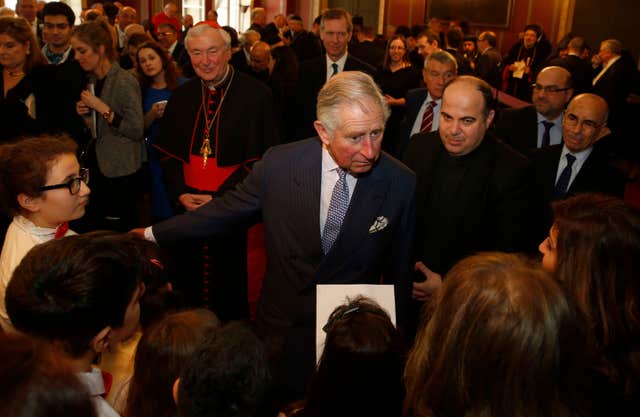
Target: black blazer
x=180, y=55
x=595, y=176
x=284, y=189
x=518, y=128
x=492, y=205
x=489, y=67
x=614, y=86
x=311, y=78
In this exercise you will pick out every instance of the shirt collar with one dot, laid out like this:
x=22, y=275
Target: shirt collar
x=557, y=121
x=52, y=55
x=341, y=62
x=580, y=156
x=34, y=230
x=328, y=164
x=92, y=381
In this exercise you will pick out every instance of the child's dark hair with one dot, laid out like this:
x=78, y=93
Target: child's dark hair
x=160, y=298
x=227, y=375
x=68, y=290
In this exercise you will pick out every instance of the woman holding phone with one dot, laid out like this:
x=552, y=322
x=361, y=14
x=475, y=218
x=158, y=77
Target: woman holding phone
x=158, y=78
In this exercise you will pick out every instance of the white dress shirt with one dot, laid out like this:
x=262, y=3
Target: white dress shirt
x=581, y=157
x=94, y=384
x=341, y=62
x=555, y=133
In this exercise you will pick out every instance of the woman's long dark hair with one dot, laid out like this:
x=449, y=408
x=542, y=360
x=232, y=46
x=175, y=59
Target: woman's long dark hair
x=170, y=70
x=598, y=259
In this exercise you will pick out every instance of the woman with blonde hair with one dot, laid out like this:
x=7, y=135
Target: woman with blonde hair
x=111, y=107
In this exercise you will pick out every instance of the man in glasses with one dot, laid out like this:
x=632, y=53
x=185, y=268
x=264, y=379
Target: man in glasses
x=581, y=163
x=539, y=125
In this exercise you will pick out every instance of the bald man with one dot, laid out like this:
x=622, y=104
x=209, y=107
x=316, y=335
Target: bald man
x=261, y=62
x=581, y=164
x=472, y=190
x=126, y=16
x=540, y=125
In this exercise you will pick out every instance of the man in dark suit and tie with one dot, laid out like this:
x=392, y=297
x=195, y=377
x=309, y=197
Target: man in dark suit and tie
x=336, y=211
x=472, y=190
x=580, y=69
x=579, y=165
x=335, y=32
x=423, y=104
x=615, y=81
x=489, y=66
x=305, y=44
x=168, y=38
x=538, y=126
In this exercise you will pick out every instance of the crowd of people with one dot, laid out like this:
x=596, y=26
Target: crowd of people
x=250, y=168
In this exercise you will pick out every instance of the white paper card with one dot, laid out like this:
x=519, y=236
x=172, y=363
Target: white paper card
x=328, y=297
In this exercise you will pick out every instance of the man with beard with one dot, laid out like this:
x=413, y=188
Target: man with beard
x=524, y=61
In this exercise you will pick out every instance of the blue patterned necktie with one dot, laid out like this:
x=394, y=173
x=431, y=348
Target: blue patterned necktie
x=563, y=181
x=337, y=210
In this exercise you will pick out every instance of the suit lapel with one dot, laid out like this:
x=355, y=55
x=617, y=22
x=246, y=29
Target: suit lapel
x=305, y=194
x=532, y=134
x=584, y=179
x=414, y=108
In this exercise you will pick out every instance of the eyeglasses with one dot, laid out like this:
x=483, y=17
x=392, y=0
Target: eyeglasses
x=549, y=89
x=73, y=184
x=572, y=120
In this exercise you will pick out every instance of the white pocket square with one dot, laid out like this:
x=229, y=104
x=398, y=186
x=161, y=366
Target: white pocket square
x=380, y=223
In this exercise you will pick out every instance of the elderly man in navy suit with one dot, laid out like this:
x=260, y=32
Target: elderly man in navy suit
x=423, y=104
x=336, y=210
x=581, y=163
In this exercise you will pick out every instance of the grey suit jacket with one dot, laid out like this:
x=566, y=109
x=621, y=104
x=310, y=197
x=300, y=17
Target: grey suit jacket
x=120, y=149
